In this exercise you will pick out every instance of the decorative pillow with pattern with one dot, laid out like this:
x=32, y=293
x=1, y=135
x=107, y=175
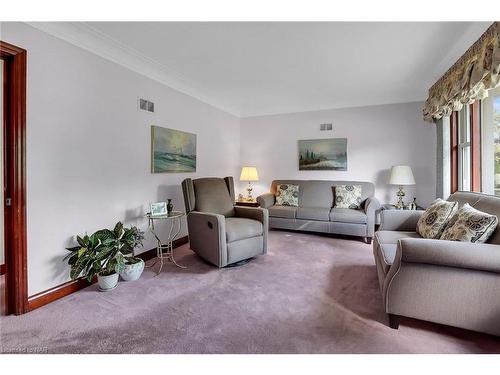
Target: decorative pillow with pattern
x=470, y=225
x=435, y=218
x=287, y=195
x=347, y=196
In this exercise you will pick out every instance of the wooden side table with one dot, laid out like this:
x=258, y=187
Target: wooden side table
x=253, y=203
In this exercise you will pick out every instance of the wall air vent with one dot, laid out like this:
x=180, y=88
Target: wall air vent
x=325, y=127
x=146, y=105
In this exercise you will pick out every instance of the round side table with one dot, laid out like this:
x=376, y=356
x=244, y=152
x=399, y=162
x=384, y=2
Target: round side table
x=165, y=252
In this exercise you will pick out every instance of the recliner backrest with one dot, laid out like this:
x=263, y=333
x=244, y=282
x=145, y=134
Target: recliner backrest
x=210, y=194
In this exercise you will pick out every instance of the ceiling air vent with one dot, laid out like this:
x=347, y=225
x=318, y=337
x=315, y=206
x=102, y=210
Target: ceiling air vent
x=146, y=105
x=325, y=127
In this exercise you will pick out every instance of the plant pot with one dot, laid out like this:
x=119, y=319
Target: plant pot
x=132, y=271
x=107, y=282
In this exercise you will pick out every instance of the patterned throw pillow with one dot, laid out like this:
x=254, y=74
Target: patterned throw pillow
x=470, y=225
x=348, y=196
x=435, y=218
x=287, y=195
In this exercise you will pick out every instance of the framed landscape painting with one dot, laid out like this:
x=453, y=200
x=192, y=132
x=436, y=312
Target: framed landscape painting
x=172, y=151
x=323, y=154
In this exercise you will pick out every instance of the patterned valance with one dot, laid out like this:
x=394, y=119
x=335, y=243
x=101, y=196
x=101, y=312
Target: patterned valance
x=469, y=79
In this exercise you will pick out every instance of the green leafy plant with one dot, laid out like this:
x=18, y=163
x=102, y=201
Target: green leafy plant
x=105, y=252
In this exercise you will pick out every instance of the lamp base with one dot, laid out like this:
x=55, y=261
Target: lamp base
x=400, y=205
x=249, y=190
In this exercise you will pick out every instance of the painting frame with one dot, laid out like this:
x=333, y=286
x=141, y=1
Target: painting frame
x=323, y=154
x=172, y=150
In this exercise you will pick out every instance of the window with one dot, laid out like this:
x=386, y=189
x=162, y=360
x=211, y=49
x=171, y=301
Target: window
x=491, y=142
x=465, y=139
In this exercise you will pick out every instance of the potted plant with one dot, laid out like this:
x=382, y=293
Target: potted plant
x=104, y=254
x=133, y=269
x=124, y=241
x=92, y=258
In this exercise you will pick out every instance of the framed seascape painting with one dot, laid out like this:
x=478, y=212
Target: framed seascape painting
x=323, y=154
x=172, y=151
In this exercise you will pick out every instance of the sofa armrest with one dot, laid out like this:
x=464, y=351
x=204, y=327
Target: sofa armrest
x=260, y=214
x=207, y=236
x=372, y=205
x=399, y=220
x=266, y=200
x=475, y=256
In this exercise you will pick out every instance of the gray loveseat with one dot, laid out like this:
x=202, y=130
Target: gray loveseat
x=453, y=283
x=315, y=213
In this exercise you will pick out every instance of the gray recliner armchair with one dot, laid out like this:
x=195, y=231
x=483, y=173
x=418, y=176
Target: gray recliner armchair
x=220, y=232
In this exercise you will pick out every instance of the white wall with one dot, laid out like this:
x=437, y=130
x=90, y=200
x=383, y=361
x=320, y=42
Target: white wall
x=377, y=138
x=88, y=147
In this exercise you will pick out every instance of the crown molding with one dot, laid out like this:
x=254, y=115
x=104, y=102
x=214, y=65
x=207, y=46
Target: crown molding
x=84, y=36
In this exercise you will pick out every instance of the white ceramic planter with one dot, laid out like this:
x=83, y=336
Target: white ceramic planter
x=132, y=271
x=107, y=282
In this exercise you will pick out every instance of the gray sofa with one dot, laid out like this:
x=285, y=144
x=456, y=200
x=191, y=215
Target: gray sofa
x=315, y=213
x=452, y=283
x=220, y=232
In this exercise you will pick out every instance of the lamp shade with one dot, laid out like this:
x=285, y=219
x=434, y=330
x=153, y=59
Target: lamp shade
x=401, y=175
x=249, y=174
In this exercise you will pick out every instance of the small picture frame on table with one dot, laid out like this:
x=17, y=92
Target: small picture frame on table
x=158, y=208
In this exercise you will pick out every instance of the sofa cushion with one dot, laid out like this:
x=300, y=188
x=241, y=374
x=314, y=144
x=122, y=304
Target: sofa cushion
x=348, y=196
x=491, y=205
x=313, y=213
x=238, y=228
x=386, y=254
x=287, y=212
x=435, y=218
x=348, y=215
x=287, y=195
x=470, y=225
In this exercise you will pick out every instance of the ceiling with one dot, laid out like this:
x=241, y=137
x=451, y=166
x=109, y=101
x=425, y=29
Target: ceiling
x=260, y=68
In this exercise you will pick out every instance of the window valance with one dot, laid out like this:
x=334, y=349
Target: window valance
x=469, y=79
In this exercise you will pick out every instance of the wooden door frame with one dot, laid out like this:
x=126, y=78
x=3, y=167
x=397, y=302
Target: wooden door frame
x=14, y=128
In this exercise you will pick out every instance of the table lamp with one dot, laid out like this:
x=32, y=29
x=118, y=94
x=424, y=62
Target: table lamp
x=401, y=175
x=249, y=174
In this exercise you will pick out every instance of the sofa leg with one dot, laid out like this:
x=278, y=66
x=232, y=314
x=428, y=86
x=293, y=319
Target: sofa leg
x=368, y=240
x=394, y=321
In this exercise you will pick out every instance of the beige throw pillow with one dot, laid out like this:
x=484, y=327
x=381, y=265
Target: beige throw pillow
x=435, y=218
x=348, y=196
x=287, y=195
x=470, y=225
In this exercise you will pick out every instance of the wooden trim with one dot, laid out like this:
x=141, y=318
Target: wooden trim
x=475, y=132
x=63, y=290
x=15, y=173
x=60, y=291
x=2, y=269
x=454, y=151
